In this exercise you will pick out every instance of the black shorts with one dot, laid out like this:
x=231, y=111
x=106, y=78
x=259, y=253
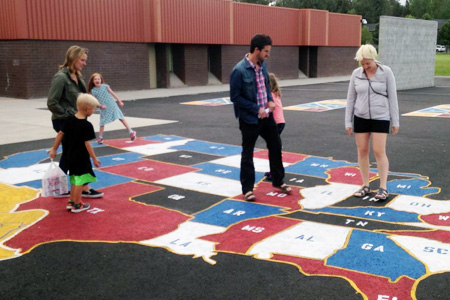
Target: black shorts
x=361, y=125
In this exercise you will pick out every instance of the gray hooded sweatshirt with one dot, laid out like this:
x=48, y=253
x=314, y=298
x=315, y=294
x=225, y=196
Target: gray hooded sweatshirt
x=374, y=98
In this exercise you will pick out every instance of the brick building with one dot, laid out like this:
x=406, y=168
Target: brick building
x=142, y=44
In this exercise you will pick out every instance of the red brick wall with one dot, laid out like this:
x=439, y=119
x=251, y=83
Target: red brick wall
x=30, y=65
x=27, y=67
x=196, y=62
x=231, y=55
x=283, y=61
x=335, y=61
x=15, y=71
x=190, y=63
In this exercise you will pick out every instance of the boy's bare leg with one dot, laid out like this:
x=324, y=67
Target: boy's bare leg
x=75, y=193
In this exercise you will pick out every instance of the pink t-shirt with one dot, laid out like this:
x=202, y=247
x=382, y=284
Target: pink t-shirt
x=278, y=111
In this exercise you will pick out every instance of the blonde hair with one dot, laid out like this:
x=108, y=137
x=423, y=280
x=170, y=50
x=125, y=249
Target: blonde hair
x=91, y=81
x=72, y=54
x=274, y=88
x=366, y=51
x=86, y=101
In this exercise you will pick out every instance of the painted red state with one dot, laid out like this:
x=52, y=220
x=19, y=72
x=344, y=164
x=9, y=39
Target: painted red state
x=288, y=157
x=370, y=285
x=240, y=237
x=125, y=143
x=437, y=235
x=348, y=175
x=266, y=194
x=444, y=116
x=149, y=170
x=122, y=220
x=437, y=219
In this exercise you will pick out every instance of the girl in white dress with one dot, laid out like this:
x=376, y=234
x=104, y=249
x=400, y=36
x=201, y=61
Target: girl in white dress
x=109, y=101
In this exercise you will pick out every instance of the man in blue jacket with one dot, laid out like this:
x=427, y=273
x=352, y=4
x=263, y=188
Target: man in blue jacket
x=253, y=106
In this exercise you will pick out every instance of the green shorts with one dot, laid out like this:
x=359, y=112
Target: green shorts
x=82, y=179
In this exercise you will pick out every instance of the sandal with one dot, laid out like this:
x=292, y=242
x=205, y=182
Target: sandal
x=362, y=192
x=382, y=194
x=285, y=188
x=249, y=196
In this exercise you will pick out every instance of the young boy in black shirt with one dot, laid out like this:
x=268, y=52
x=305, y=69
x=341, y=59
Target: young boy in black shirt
x=78, y=132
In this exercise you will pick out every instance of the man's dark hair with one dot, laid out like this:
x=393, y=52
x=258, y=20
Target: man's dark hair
x=260, y=41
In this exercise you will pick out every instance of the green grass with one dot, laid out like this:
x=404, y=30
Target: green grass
x=442, y=66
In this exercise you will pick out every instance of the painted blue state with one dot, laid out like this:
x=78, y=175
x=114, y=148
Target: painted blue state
x=103, y=180
x=230, y=212
x=309, y=105
x=210, y=148
x=372, y=213
x=434, y=110
x=118, y=159
x=217, y=100
x=374, y=253
x=334, y=106
x=107, y=179
x=37, y=184
x=316, y=166
x=223, y=171
x=413, y=186
x=164, y=138
x=24, y=159
x=410, y=175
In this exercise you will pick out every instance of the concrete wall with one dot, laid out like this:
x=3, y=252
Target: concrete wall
x=408, y=46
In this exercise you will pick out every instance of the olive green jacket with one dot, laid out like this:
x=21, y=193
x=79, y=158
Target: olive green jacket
x=63, y=93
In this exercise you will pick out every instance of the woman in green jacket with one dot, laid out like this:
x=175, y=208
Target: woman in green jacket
x=66, y=84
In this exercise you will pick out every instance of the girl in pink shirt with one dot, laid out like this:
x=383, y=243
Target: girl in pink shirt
x=278, y=111
x=276, y=95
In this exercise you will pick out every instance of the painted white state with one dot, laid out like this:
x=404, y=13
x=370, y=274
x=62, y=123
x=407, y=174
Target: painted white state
x=307, y=239
x=435, y=255
x=261, y=165
x=185, y=240
x=419, y=205
x=24, y=174
x=204, y=183
x=158, y=148
x=325, y=195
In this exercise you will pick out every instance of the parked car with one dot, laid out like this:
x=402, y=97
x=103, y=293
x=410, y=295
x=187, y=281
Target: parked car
x=440, y=48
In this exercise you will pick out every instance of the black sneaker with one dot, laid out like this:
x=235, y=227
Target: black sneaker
x=65, y=195
x=79, y=207
x=92, y=194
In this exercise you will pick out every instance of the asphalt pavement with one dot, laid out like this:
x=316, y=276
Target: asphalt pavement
x=129, y=271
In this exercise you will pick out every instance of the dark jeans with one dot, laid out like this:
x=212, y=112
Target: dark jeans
x=57, y=126
x=268, y=130
x=281, y=127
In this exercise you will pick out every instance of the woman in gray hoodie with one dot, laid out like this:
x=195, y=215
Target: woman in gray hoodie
x=372, y=111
